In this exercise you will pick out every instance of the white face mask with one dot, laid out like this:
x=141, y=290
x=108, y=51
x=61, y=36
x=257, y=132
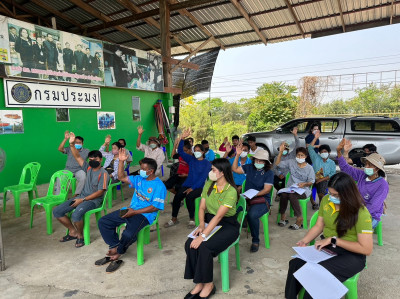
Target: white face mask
x=324, y=155
x=198, y=155
x=300, y=160
x=315, y=131
x=243, y=154
x=212, y=176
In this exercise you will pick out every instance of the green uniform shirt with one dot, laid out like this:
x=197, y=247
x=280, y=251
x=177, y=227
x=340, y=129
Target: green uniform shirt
x=227, y=197
x=328, y=211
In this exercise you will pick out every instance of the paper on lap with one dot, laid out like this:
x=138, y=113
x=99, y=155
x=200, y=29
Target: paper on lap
x=292, y=189
x=312, y=255
x=191, y=235
x=250, y=193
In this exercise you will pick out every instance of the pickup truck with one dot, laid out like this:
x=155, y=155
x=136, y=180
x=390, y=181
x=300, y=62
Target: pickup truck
x=383, y=132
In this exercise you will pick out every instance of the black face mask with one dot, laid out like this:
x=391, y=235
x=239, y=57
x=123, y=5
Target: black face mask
x=94, y=163
x=206, y=149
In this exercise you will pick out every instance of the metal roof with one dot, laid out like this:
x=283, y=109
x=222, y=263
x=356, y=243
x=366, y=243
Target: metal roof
x=232, y=23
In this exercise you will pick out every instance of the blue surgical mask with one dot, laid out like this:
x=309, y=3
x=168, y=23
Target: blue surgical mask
x=259, y=165
x=78, y=146
x=153, y=145
x=335, y=200
x=198, y=155
x=284, y=152
x=143, y=174
x=324, y=155
x=369, y=171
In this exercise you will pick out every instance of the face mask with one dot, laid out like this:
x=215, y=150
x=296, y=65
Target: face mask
x=300, y=160
x=114, y=152
x=335, y=200
x=153, y=145
x=206, y=149
x=369, y=171
x=198, y=155
x=143, y=174
x=315, y=131
x=284, y=152
x=259, y=165
x=243, y=154
x=212, y=176
x=94, y=163
x=78, y=146
x=324, y=155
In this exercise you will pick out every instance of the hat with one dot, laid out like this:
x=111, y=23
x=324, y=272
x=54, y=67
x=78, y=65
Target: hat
x=375, y=159
x=155, y=139
x=262, y=155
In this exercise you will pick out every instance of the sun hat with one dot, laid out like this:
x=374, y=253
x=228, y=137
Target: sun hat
x=375, y=159
x=262, y=155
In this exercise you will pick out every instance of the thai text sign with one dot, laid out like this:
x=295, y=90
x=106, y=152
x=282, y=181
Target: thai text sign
x=20, y=93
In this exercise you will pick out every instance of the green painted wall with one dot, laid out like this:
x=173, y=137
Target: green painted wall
x=43, y=134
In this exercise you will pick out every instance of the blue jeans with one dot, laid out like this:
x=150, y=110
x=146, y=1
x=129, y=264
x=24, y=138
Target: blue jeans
x=64, y=208
x=253, y=216
x=108, y=228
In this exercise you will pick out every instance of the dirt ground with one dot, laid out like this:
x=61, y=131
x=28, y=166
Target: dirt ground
x=38, y=266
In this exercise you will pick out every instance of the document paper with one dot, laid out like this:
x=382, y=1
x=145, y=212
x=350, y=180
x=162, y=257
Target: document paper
x=191, y=235
x=250, y=193
x=312, y=255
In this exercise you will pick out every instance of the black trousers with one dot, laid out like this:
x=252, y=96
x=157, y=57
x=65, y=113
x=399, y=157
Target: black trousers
x=175, y=182
x=190, y=198
x=279, y=183
x=343, y=266
x=199, y=262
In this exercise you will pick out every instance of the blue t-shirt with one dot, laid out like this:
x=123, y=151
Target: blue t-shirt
x=210, y=155
x=239, y=178
x=309, y=139
x=256, y=179
x=147, y=193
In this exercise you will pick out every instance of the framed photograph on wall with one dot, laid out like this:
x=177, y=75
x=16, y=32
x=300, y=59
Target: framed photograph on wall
x=62, y=115
x=136, y=108
x=11, y=122
x=106, y=120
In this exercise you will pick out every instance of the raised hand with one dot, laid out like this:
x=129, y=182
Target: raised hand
x=225, y=140
x=140, y=130
x=108, y=139
x=347, y=145
x=341, y=145
x=71, y=138
x=185, y=134
x=294, y=131
x=66, y=135
x=317, y=134
x=228, y=146
x=122, y=156
x=239, y=149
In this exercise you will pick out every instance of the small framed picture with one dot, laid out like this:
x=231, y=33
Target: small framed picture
x=106, y=120
x=62, y=114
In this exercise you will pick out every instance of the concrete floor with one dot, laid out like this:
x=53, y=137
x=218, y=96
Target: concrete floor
x=38, y=266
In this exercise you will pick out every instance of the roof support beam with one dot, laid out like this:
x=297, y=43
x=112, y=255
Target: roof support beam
x=191, y=54
x=165, y=41
x=94, y=12
x=22, y=8
x=292, y=12
x=135, y=9
x=341, y=15
x=391, y=12
x=150, y=13
x=253, y=25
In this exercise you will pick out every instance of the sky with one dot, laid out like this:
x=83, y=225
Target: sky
x=239, y=71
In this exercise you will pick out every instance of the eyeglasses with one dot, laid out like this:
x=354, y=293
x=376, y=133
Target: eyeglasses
x=333, y=195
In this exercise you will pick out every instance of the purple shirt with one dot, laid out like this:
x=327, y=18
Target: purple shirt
x=373, y=192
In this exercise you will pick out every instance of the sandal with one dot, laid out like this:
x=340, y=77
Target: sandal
x=113, y=266
x=170, y=223
x=103, y=261
x=315, y=206
x=191, y=224
x=283, y=223
x=254, y=247
x=68, y=238
x=295, y=226
x=79, y=243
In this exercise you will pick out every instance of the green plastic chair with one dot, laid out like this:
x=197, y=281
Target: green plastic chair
x=303, y=205
x=196, y=210
x=143, y=237
x=223, y=257
x=378, y=230
x=350, y=284
x=97, y=212
x=73, y=185
x=16, y=190
x=50, y=201
x=263, y=219
x=113, y=192
x=217, y=156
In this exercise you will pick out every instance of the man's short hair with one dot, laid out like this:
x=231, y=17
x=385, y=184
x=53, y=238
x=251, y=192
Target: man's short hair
x=251, y=138
x=190, y=138
x=235, y=137
x=302, y=150
x=324, y=147
x=204, y=142
x=186, y=144
x=80, y=138
x=371, y=147
x=151, y=163
x=95, y=154
x=122, y=140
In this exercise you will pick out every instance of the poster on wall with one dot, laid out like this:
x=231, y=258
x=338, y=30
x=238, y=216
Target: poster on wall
x=48, y=54
x=4, y=41
x=11, y=122
x=136, y=108
x=106, y=120
x=21, y=93
x=62, y=115
x=131, y=68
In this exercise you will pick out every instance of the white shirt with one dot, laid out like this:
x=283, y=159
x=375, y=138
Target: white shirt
x=156, y=154
x=251, y=152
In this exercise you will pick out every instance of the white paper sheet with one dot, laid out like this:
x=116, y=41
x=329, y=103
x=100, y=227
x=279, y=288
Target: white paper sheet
x=292, y=189
x=250, y=193
x=312, y=255
x=319, y=282
x=191, y=235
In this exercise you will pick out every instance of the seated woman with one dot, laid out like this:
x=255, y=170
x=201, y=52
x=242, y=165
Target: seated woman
x=370, y=180
x=346, y=226
x=199, y=168
x=302, y=175
x=260, y=177
x=324, y=168
x=244, y=160
x=112, y=158
x=219, y=198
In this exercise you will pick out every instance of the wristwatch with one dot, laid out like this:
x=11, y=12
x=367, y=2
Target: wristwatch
x=84, y=199
x=203, y=236
x=333, y=242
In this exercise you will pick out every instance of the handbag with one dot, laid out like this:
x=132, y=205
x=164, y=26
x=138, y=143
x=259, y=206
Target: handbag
x=257, y=200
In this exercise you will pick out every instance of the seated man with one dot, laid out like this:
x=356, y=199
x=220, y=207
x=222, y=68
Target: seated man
x=72, y=165
x=235, y=142
x=210, y=155
x=251, y=140
x=111, y=163
x=148, y=198
x=91, y=197
x=122, y=141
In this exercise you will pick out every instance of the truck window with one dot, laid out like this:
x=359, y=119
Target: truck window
x=301, y=126
x=387, y=126
x=361, y=125
x=329, y=126
x=375, y=125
